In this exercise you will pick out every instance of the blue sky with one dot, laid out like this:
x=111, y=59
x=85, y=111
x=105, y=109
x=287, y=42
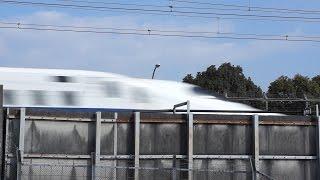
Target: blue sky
x=135, y=56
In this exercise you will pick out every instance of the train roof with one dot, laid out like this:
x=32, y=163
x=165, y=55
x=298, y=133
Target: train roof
x=58, y=72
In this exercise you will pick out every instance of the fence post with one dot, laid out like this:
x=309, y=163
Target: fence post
x=98, y=144
x=18, y=160
x=190, y=142
x=6, y=119
x=20, y=150
x=2, y=135
x=115, y=145
x=255, y=146
x=136, y=144
x=98, y=139
x=318, y=141
x=174, y=168
x=93, y=168
x=22, y=130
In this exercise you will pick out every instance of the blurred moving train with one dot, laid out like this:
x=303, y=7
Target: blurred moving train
x=27, y=87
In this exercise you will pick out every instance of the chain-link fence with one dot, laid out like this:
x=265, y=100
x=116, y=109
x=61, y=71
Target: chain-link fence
x=89, y=172
x=291, y=104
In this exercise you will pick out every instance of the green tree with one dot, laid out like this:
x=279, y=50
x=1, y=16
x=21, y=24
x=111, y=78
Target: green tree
x=188, y=79
x=226, y=79
x=316, y=79
x=229, y=79
x=297, y=87
x=283, y=87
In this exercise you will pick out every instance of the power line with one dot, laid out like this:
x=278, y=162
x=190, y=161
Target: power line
x=153, y=6
x=164, y=12
x=251, y=7
x=234, y=7
x=151, y=32
x=157, y=30
x=196, y=16
x=114, y=3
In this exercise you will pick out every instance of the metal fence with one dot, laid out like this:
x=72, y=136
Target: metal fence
x=289, y=104
x=56, y=144
x=104, y=172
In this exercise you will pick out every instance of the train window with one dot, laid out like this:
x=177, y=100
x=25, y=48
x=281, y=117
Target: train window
x=9, y=97
x=63, y=79
x=112, y=89
x=39, y=97
x=140, y=95
x=69, y=98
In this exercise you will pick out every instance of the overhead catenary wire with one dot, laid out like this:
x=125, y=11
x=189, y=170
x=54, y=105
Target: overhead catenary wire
x=186, y=7
x=168, y=11
x=227, y=7
x=191, y=16
x=158, y=30
x=195, y=16
x=239, y=8
x=153, y=6
x=159, y=10
x=251, y=7
x=154, y=32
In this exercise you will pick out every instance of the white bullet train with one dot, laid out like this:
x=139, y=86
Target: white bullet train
x=56, y=88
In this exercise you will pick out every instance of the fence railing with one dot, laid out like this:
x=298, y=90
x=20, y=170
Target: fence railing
x=109, y=172
x=271, y=103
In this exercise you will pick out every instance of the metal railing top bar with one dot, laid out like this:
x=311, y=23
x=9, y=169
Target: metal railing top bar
x=273, y=99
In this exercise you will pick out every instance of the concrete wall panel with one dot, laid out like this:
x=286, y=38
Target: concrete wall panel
x=287, y=140
x=222, y=139
x=52, y=137
x=107, y=130
x=162, y=139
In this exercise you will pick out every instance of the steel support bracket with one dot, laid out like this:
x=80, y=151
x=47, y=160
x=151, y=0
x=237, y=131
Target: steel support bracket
x=187, y=103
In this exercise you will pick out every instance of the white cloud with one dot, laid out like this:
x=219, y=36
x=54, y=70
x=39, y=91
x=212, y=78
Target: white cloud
x=2, y=48
x=132, y=55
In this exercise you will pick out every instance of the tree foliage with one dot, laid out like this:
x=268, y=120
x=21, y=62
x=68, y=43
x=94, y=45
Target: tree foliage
x=229, y=79
x=297, y=87
x=226, y=79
